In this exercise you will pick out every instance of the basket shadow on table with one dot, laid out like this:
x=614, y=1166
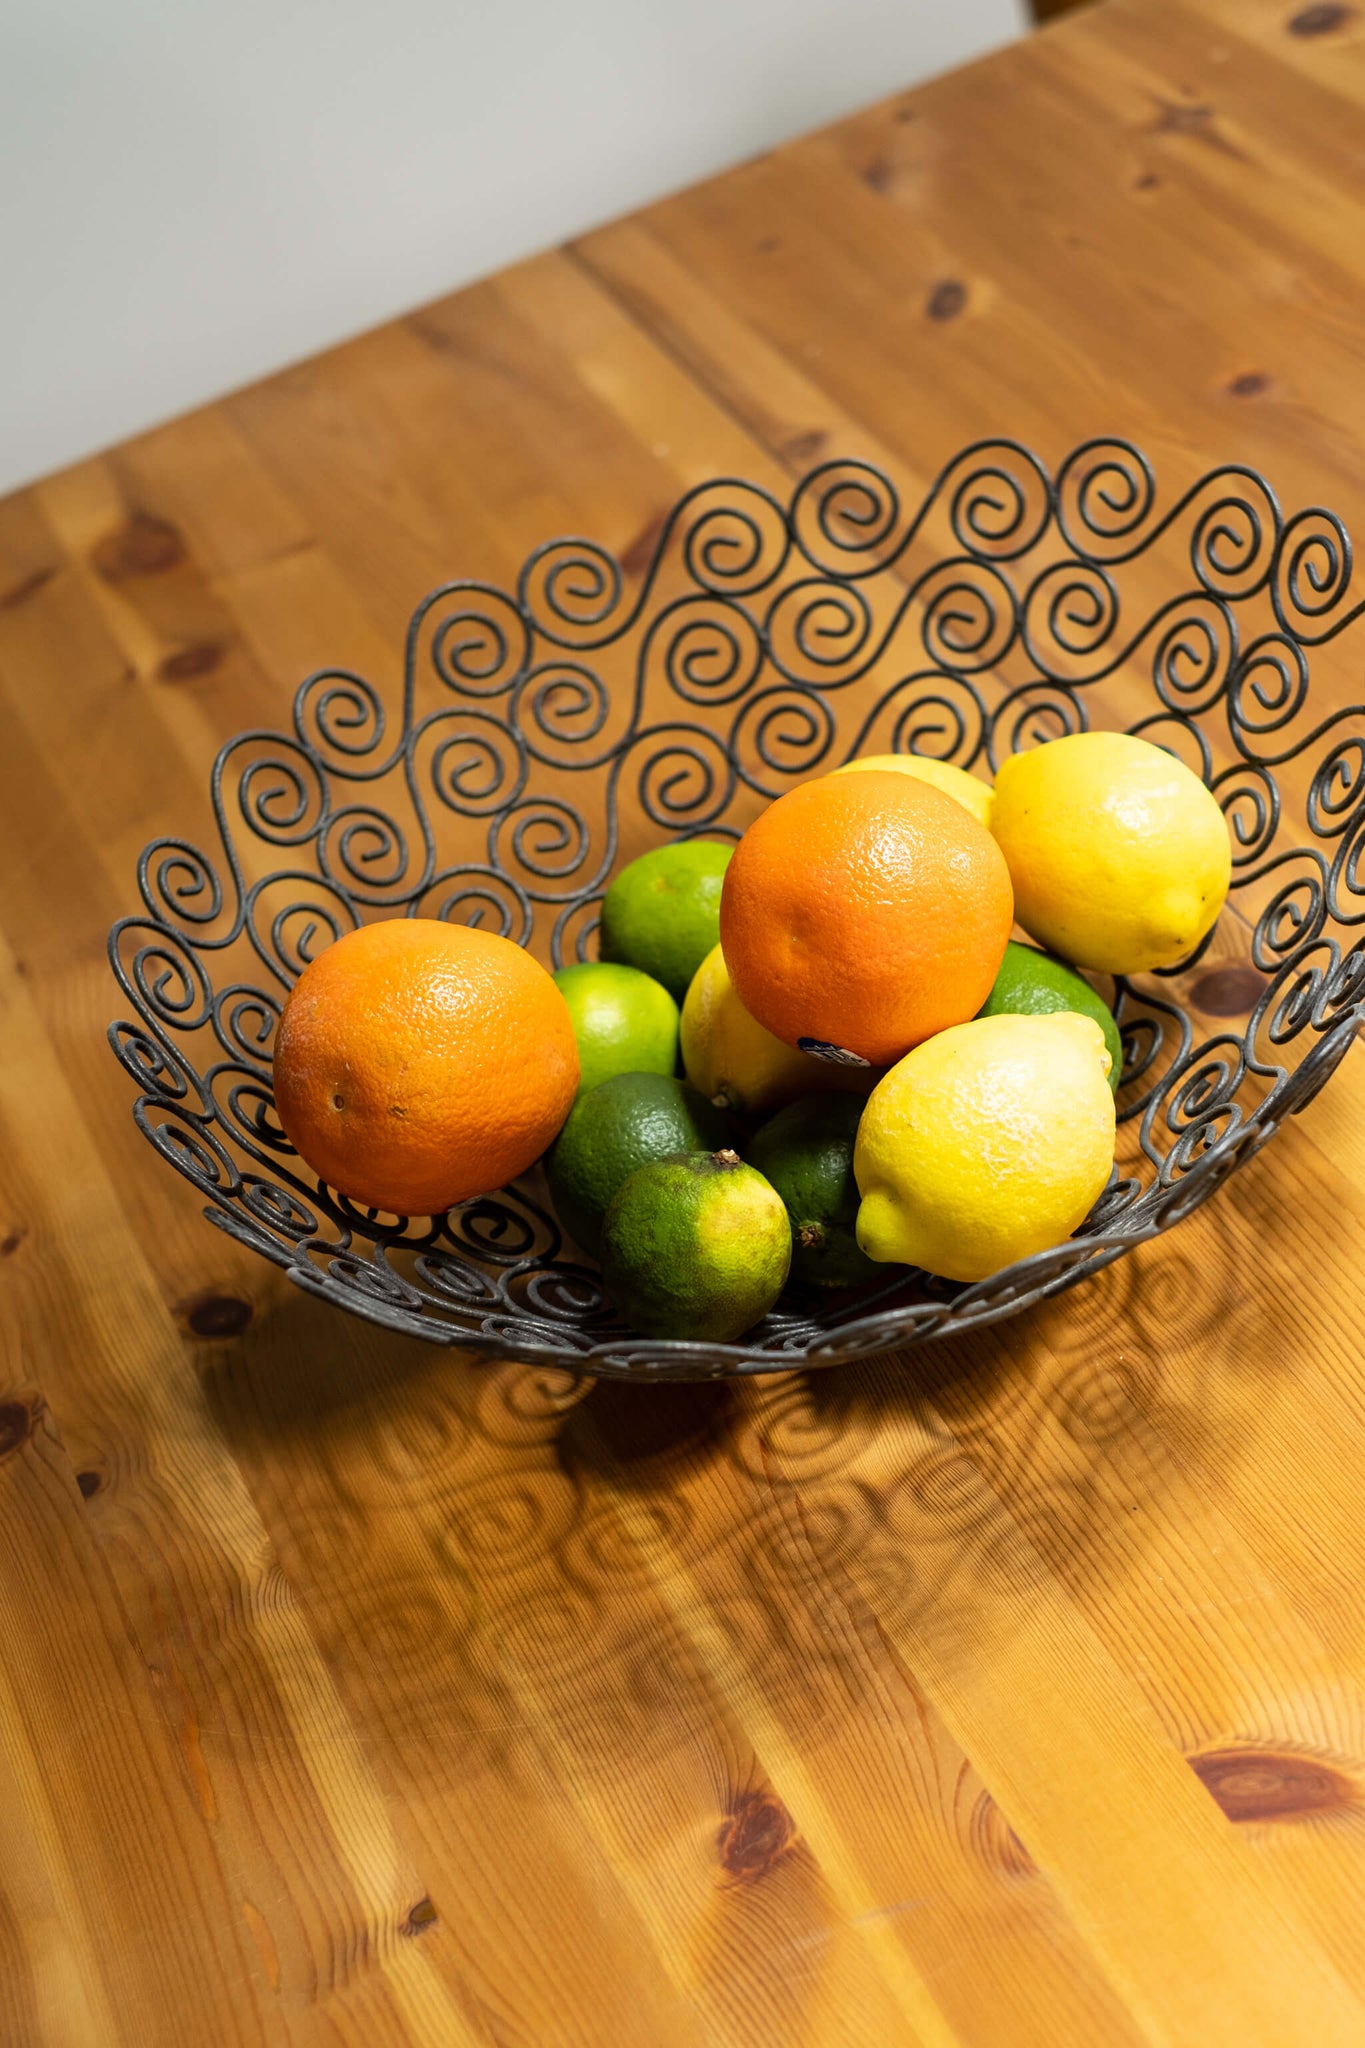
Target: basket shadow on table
x=505, y=1541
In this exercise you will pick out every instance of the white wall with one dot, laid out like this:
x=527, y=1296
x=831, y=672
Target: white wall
x=193, y=192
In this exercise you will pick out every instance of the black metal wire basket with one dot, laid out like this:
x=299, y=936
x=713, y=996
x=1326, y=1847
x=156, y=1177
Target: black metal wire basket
x=550, y=733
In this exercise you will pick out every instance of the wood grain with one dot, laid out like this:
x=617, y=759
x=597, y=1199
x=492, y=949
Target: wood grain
x=1014, y=1693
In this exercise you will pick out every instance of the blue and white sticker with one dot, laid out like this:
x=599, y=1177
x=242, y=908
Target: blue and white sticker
x=837, y=1055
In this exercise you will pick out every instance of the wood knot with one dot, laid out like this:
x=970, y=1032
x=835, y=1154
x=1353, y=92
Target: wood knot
x=89, y=1483
x=807, y=447
x=188, y=663
x=422, y=1916
x=946, y=300
x=754, y=1836
x=1248, y=384
x=27, y=586
x=12, y=1240
x=877, y=175
x=1228, y=991
x=18, y=1420
x=1181, y=117
x=217, y=1315
x=1320, y=20
x=1264, y=1784
x=146, y=546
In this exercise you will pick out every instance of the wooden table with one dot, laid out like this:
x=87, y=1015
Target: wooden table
x=355, y=1694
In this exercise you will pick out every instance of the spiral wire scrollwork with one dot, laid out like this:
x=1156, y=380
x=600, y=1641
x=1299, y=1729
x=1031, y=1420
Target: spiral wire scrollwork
x=758, y=644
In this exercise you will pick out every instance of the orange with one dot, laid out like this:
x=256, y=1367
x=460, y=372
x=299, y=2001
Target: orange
x=419, y=1063
x=863, y=913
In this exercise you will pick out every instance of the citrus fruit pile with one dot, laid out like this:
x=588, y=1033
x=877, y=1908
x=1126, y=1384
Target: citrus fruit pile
x=811, y=1056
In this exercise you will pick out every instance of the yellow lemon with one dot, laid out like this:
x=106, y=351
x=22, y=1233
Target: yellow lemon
x=737, y=1063
x=1119, y=855
x=989, y=1142
x=955, y=782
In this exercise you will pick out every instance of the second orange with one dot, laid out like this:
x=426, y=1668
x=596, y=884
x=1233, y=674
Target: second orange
x=863, y=913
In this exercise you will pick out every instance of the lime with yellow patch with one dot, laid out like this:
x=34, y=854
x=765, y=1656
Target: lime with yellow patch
x=697, y=1246
x=987, y=1143
x=620, y=1125
x=1119, y=855
x=973, y=794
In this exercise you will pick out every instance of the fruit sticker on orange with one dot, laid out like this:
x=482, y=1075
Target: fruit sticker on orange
x=837, y=1055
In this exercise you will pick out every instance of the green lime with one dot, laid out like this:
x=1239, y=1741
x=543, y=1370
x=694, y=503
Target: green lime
x=695, y=1246
x=1034, y=984
x=613, y=1128
x=625, y=1022
x=662, y=913
x=806, y=1151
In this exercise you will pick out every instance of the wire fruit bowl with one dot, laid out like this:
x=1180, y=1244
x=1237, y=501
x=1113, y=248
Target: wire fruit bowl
x=550, y=733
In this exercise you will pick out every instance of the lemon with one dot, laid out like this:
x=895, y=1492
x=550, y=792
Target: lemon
x=1119, y=855
x=973, y=795
x=989, y=1142
x=737, y=1063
